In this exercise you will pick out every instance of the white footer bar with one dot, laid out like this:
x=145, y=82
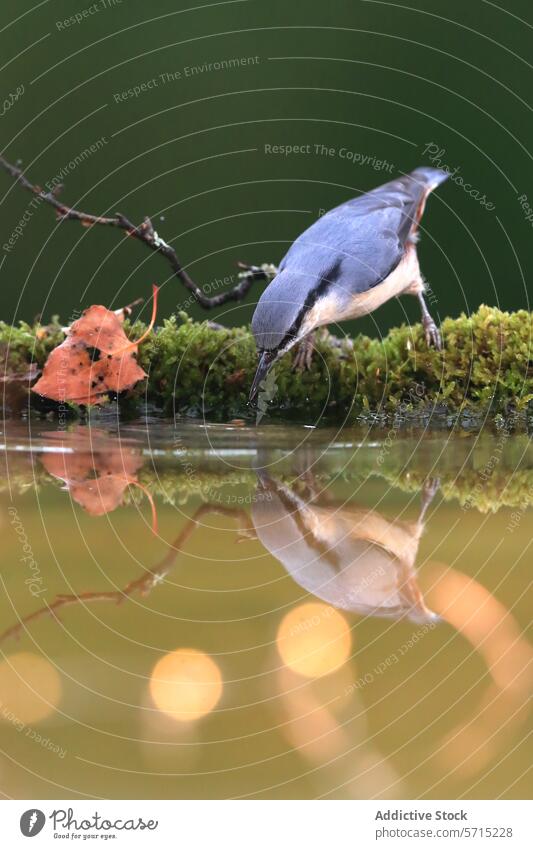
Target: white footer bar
x=268, y=824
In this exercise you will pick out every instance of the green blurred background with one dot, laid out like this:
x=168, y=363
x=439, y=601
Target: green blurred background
x=380, y=79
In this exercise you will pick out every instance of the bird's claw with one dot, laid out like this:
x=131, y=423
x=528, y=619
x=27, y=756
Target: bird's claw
x=432, y=334
x=429, y=491
x=303, y=358
x=431, y=487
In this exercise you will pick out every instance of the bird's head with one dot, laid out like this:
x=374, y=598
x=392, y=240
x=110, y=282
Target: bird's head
x=282, y=318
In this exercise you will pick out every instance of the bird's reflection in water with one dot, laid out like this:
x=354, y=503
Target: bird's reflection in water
x=353, y=559
x=350, y=557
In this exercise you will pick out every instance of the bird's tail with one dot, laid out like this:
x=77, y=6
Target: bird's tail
x=431, y=177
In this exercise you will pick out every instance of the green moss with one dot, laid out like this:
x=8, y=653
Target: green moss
x=24, y=344
x=196, y=370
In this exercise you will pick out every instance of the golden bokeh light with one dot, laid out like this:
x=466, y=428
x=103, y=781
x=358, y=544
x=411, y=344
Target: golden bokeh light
x=30, y=688
x=186, y=684
x=314, y=639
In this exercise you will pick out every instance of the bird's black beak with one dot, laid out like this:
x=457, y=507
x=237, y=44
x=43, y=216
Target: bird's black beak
x=265, y=362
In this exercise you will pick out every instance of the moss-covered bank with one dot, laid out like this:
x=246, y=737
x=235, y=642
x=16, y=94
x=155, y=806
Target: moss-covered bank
x=196, y=369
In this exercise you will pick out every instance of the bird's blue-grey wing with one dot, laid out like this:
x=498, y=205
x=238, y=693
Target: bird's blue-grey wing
x=361, y=250
x=363, y=240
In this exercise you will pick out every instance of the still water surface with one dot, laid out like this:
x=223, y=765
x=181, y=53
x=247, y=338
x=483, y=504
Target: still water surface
x=225, y=612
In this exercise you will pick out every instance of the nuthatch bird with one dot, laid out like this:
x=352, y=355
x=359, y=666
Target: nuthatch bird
x=349, y=262
x=350, y=557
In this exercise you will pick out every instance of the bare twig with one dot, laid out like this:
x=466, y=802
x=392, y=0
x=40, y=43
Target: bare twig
x=144, y=233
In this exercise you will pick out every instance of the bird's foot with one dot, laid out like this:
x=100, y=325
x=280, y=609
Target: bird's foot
x=429, y=491
x=432, y=333
x=431, y=487
x=303, y=359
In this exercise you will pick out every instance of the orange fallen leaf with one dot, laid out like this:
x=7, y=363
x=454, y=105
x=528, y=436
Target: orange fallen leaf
x=130, y=345
x=96, y=358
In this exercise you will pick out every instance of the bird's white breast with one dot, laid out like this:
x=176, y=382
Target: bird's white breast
x=334, y=306
x=406, y=279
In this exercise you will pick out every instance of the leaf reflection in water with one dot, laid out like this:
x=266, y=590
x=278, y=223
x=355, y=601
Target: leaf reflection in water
x=96, y=471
